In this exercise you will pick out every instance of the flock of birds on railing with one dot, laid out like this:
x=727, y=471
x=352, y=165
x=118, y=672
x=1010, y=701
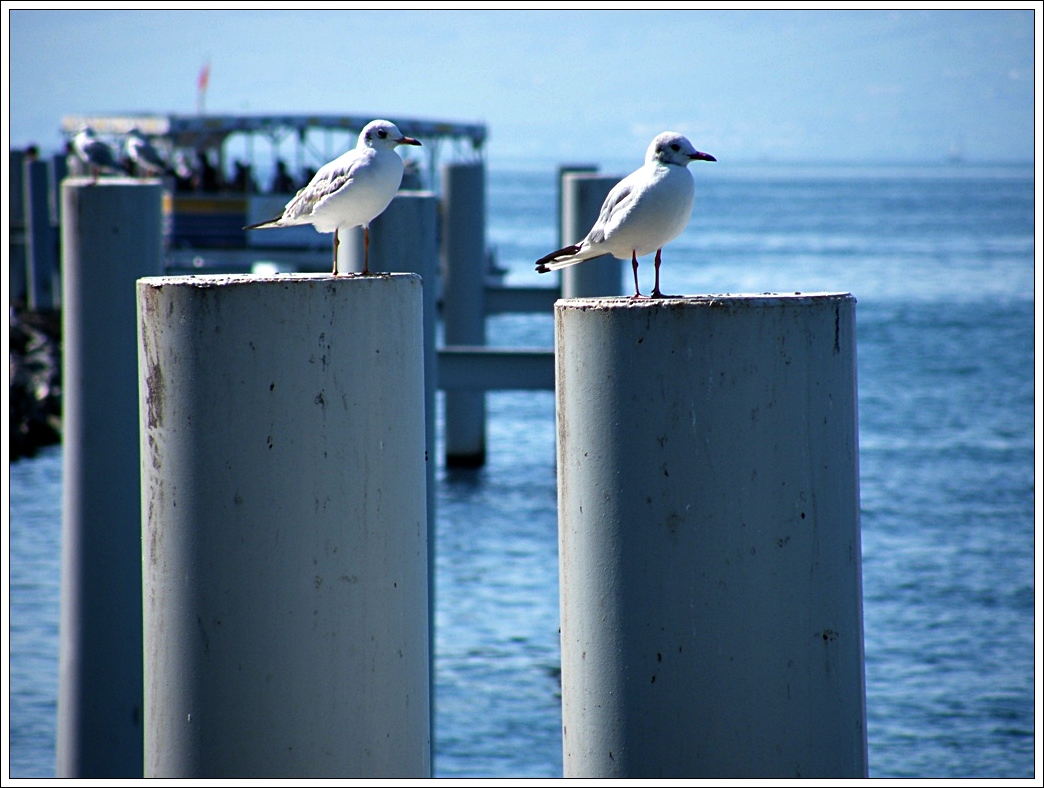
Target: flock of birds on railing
x=99, y=157
x=641, y=213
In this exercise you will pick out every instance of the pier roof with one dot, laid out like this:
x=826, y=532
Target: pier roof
x=211, y=130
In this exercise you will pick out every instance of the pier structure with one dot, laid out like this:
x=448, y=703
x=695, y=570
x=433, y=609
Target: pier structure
x=34, y=246
x=707, y=455
x=202, y=233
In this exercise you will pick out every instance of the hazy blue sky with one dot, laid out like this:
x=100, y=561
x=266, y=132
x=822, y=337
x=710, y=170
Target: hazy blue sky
x=888, y=85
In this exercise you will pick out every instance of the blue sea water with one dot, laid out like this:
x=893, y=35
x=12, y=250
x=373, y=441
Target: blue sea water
x=941, y=260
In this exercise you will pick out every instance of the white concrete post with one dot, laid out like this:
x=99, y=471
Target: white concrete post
x=582, y=198
x=112, y=235
x=17, y=243
x=463, y=304
x=711, y=604
x=284, y=543
x=563, y=171
x=404, y=239
x=57, y=172
x=42, y=278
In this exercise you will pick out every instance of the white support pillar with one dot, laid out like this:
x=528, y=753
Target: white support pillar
x=112, y=235
x=582, y=196
x=17, y=260
x=42, y=277
x=404, y=239
x=563, y=171
x=285, y=536
x=711, y=604
x=463, y=305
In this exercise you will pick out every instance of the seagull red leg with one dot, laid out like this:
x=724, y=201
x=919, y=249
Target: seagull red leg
x=337, y=241
x=656, y=287
x=634, y=268
x=366, y=249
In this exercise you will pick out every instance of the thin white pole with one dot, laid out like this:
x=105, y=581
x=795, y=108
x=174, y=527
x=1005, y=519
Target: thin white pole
x=112, y=235
x=711, y=609
x=582, y=197
x=284, y=543
x=17, y=260
x=44, y=283
x=464, y=310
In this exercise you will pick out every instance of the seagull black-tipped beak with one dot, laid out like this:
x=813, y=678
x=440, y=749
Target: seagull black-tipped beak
x=408, y=141
x=701, y=156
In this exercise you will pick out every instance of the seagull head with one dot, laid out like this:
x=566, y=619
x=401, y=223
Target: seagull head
x=670, y=147
x=383, y=134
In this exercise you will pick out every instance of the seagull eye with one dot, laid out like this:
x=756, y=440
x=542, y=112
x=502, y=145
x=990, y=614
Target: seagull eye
x=675, y=147
x=382, y=134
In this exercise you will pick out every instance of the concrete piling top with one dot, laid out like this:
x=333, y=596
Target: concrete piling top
x=108, y=180
x=223, y=280
x=703, y=299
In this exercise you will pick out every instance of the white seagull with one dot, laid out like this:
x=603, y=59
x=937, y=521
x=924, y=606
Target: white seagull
x=351, y=190
x=145, y=157
x=94, y=153
x=642, y=213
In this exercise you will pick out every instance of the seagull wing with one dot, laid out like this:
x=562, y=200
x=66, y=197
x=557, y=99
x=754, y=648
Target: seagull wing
x=146, y=155
x=330, y=180
x=617, y=203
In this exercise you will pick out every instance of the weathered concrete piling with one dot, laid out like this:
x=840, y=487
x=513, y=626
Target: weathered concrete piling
x=464, y=302
x=711, y=604
x=405, y=239
x=42, y=277
x=284, y=542
x=111, y=236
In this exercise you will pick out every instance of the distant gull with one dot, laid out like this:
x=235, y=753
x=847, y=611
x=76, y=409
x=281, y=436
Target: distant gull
x=351, y=190
x=642, y=213
x=145, y=157
x=94, y=153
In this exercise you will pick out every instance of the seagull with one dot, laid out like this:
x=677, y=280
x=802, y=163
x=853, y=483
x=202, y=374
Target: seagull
x=642, y=213
x=351, y=190
x=95, y=153
x=145, y=157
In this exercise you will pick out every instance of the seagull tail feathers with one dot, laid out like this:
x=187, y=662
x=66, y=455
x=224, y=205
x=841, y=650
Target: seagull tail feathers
x=273, y=222
x=560, y=258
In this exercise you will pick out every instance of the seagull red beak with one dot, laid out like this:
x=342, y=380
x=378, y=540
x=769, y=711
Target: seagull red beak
x=701, y=156
x=408, y=141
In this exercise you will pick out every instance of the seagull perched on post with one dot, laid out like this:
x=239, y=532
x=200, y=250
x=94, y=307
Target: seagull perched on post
x=351, y=190
x=94, y=153
x=642, y=213
x=145, y=157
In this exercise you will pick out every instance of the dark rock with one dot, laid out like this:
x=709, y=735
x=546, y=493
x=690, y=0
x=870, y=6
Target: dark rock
x=35, y=381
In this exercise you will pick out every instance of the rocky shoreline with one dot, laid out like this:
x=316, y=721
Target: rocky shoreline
x=35, y=381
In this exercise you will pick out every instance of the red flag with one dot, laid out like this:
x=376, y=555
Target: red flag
x=204, y=76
